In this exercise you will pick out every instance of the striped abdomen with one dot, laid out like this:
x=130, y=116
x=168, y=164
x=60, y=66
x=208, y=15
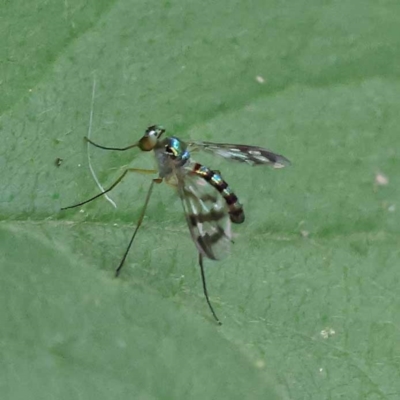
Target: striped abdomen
x=236, y=213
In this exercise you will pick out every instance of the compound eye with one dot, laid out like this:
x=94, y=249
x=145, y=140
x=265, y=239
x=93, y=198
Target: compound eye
x=154, y=131
x=151, y=131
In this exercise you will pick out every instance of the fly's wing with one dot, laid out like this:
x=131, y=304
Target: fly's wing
x=252, y=155
x=206, y=215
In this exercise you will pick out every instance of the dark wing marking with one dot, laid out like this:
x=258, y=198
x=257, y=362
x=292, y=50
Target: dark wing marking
x=252, y=155
x=206, y=214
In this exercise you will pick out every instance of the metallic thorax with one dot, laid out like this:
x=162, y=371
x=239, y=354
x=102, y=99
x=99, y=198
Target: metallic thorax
x=171, y=153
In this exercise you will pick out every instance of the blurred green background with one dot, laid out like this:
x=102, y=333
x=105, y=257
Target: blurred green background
x=308, y=296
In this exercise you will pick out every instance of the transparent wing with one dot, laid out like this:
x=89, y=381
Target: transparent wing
x=206, y=215
x=252, y=155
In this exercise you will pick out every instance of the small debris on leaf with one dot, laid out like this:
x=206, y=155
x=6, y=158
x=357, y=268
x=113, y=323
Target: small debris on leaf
x=260, y=79
x=381, y=179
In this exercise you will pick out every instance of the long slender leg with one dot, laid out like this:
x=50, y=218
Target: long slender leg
x=121, y=264
x=110, y=148
x=203, y=279
x=141, y=171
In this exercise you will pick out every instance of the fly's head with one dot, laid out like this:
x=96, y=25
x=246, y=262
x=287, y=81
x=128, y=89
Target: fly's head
x=150, y=138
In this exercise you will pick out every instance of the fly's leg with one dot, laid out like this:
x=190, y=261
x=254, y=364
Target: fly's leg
x=203, y=279
x=138, y=170
x=139, y=223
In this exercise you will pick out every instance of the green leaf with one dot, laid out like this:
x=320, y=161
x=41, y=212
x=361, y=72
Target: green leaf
x=308, y=298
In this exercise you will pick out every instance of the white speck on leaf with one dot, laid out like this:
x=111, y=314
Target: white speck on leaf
x=327, y=333
x=260, y=364
x=381, y=179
